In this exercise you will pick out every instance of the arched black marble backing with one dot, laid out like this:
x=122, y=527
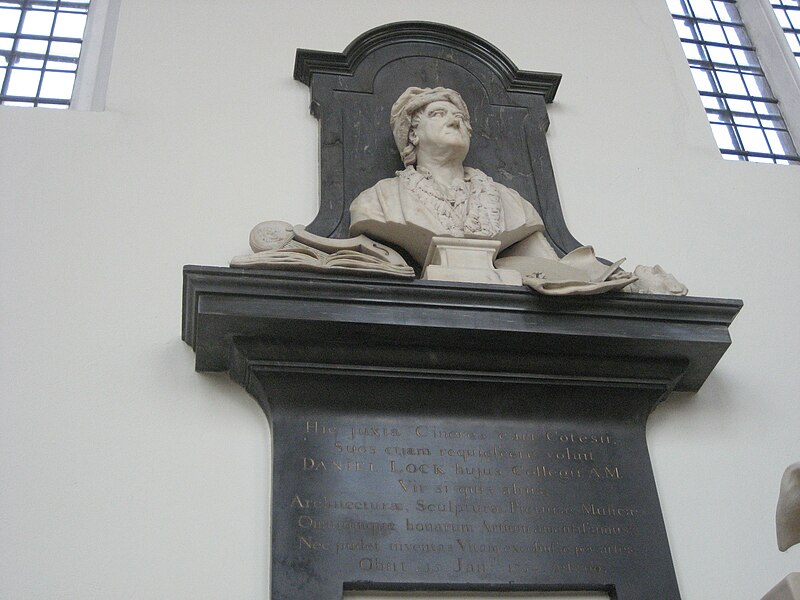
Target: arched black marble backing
x=352, y=93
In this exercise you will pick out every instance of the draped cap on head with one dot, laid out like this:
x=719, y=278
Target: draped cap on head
x=411, y=101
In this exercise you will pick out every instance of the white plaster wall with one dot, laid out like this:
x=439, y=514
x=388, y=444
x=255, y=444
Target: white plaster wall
x=125, y=474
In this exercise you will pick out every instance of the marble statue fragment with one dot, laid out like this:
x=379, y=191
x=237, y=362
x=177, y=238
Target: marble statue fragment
x=436, y=196
x=787, y=514
x=787, y=526
x=787, y=589
x=279, y=245
x=655, y=280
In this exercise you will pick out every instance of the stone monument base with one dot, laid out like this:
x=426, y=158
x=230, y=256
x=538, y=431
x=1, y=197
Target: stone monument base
x=467, y=260
x=456, y=437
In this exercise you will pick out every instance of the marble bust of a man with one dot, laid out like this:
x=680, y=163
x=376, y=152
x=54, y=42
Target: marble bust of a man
x=435, y=195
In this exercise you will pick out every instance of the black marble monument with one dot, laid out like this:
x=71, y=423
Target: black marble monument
x=440, y=436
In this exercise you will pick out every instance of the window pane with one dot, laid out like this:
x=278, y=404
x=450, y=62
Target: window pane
x=757, y=86
x=57, y=85
x=692, y=51
x=771, y=122
x=724, y=136
x=703, y=80
x=36, y=22
x=686, y=29
x=703, y=9
x=65, y=49
x=745, y=58
x=30, y=63
x=779, y=141
x=23, y=83
x=32, y=46
x=713, y=103
x=712, y=33
x=70, y=25
x=9, y=19
x=766, y=108
x=677, y=7
x=56, y=65
x=783, y=18
x=727, y=12
x=753, y=139
x=746, y=120
x=721, y=55
x=732, y=83
x=737, y=36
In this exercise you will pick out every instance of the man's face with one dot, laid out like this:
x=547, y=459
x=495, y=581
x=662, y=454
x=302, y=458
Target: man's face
x=443, y=127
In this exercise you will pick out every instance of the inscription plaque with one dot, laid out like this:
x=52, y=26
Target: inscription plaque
x=461, y=496
x=528, y=487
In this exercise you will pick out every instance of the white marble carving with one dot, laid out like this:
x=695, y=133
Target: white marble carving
x=279, y=245
x=466, y=260
x=655, y=280
x=436, y=196
x=787, y=589
x=787, y=514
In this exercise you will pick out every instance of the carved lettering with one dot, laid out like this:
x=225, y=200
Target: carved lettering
x=306, y=543
x=382, y=566
x=374, y=432
x=438, y=527
x=479, y=508
x=423, y=468
x=315, y=427
x=317, y=464
x=578, y=438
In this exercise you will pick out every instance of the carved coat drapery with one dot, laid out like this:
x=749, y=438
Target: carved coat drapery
x=413, y=203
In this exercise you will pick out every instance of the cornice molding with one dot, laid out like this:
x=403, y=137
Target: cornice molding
x=311, y=62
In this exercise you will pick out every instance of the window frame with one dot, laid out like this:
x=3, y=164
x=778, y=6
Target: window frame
x=777, y=67
x=777, y=59
x=93, y=66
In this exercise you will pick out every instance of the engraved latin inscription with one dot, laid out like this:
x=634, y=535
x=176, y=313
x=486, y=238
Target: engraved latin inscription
x=494, y=499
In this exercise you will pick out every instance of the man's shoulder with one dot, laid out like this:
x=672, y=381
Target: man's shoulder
x=371, y=204
x=381, y=188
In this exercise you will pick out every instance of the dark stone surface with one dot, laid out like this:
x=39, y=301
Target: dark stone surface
x=352, y=93
x=618, y=336
x=456, y=437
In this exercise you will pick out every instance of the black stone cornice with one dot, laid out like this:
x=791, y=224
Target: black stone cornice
x=311, y=62
x=636, y=337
